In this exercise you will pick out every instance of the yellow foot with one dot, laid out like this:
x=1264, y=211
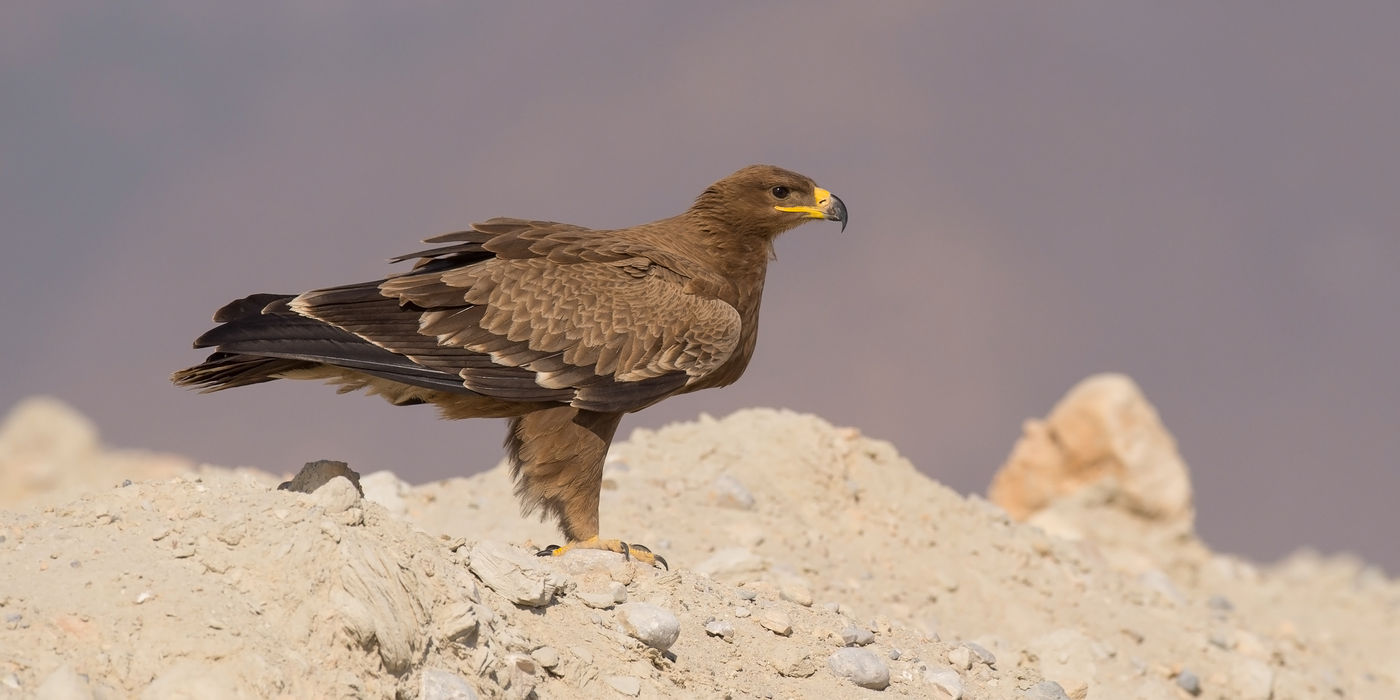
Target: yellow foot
x=632, y=551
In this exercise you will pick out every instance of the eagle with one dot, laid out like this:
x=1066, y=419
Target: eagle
x=558, y=328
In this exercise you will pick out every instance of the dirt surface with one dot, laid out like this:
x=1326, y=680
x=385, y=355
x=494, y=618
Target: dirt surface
x=807, y=561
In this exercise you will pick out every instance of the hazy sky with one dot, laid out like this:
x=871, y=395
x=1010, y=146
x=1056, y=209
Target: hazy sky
x=1203, y=195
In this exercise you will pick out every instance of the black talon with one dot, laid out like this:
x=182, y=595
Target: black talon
x=547, y=551
x=626, y=549
x=657, y=557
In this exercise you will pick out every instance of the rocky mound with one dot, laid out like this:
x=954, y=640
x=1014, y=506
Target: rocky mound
x=807, y=561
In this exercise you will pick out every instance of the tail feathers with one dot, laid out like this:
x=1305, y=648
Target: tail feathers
x=260, y=339
x=226, y=371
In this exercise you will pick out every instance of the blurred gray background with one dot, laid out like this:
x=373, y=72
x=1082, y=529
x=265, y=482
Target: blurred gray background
x=1203, y=195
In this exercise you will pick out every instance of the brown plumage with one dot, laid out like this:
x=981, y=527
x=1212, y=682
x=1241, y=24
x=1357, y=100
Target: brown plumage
x=559, y=328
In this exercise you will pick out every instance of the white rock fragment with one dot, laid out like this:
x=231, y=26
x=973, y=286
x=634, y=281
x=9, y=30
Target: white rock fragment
x=437, y=684
x=618, y=592
x=631, y=686
x=729, y=492
x=947, y=684
x=861, y=667
x=742, y=612
x=144, y=596
x=513, y=573
x=650, y=624
x=776, y=621
x=336, y=496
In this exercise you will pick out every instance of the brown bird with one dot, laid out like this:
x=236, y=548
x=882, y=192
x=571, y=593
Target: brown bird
x=559, y=328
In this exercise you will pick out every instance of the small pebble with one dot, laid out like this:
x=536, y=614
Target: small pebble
x=960, y=657
x=747, y=594
x=946, y=682
x=861, y=667
x=742, y=611
x=894, y=654
x=618, y=592
x=1188, y=682
x=650, y=624
x=853, y=636
x=720, y=628
x=144, y=596
x=776, y=621
x=1047, y=690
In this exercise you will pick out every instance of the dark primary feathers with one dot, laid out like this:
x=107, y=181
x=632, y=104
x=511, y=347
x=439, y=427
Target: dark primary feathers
x=516, y=316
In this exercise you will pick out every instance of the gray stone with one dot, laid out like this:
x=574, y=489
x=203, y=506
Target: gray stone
x=438, y=684
x=1047, y=690
x=650, y=624
x=861, y=667
x=853, y=636
x=1187, y=681
x=316, y=474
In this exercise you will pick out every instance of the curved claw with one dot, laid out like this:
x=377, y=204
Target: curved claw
x=547, y=551
x=657, y=557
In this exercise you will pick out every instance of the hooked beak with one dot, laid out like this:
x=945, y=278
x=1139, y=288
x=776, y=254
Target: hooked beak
x=829, y=207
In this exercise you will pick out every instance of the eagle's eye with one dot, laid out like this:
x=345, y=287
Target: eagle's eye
x=780, y=192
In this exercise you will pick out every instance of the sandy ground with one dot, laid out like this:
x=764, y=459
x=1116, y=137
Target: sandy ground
x=807, y=561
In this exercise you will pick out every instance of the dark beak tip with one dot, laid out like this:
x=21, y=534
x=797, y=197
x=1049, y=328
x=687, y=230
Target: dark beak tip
x=838, y=212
